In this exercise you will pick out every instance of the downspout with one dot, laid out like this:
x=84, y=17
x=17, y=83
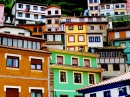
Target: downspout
x=48, y=76
x=15, y=13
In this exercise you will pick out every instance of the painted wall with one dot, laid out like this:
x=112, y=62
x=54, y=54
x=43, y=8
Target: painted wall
x=53, y=9
x=15, y=31
x=1, y=13
x=128, y=6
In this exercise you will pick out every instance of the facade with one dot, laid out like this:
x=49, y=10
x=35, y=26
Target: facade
x=114, y=87
x=93, y=7
x=25, y=66
x=28, y=13
x=95, y=39
x=53, y=14
x=15, y=30
x=128, y=6
x=72, y=70
x=76, y=36
x=37, y=29
x=112, y=60
x=106, y=9
x=1, y=14
x=55, y=39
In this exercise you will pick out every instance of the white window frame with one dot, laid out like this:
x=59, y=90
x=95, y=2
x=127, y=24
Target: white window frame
x=15, y=55
x=66, y=77
x=34, y=57
x=117, y=35
x=15, y=87
x=71, y=36
x=50, y=38
x=81, y=78
x=81, y=36
x=57, y=37
x=127, y=33
x=72, y=48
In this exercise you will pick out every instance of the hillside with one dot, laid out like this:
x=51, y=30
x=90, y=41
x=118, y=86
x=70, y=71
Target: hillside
x=69, y=7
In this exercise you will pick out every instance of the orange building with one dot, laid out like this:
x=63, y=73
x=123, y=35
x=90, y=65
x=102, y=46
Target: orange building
x=36, y=29
x=116, y=33
x=24, y=66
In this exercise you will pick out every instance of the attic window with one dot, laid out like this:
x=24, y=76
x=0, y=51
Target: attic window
x=56, y=12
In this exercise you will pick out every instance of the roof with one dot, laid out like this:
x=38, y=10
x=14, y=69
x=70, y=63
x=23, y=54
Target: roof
x=119, y=29
x=120, y=78
x=24, y=49
x=108, y=47
x=22, y=36
x=127, y=38
x=74, y=52
x=53, y=5
x=31, y=3
x=15, y=27
x=54, y=43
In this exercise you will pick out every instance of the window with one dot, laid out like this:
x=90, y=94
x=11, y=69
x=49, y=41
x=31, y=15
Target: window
x=117, y=6
x=91, y=78
x=42, y=9
x=28, y=6
x=71, y=38
x=80, y=38
x=92, y=27
x=19, y=14
x=101, y=27
x=49, y=29
x=40, y=29
x=116, y=67
x=35, y=29
x=42, y=16
x=36, y=93
x=75, y=61
x=56, y=21
x=116, y=13
x=70, y=27
x=108, y=14
x=12, y=92
x=62, y=76
x=102, y=7
x=107, y=94
x=56, y=12
x=122, y=91
x=49, y=21
x=49, y=37
x=104, y=66
x=96, y=7
x=91, y=8
x=95, y=1
x=36, y=64
x=72, y=48
x=77, y=78
x=35, y=16
x=93, y=95
x=80, y=27
x=127, y=33
x=91, y=38
x=122, y=12
x=90, y=1
x=59, y=59
x=107, y=6
x=20, y=5
x=117, y=35
x=12, y=61
x=35, y=8
x=86, y=62
x=122, y=5
x=123, y=44
x=57, y=37
x=68, y=20
x=27, y=15
x=97, y=39
x=49, y=12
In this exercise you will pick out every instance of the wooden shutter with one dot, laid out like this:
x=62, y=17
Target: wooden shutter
x=59, y=59
x=86, y=63
x=36, y=61
x=75, y=61
x=12, y=92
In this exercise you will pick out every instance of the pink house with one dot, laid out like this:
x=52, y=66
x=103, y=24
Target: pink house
x=128, y=6
x=1, y=12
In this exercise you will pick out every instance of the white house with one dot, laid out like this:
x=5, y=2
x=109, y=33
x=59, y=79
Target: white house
x=95, y=39
x=115, y=87
x=28, y=12
x=15, y=30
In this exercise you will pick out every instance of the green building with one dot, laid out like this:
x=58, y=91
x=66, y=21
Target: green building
x=71, y=70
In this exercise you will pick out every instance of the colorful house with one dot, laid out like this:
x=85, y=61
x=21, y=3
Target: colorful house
x=1, y=14
x=37, y=29
x=114, y=87
x=72, y=70
x=76, y=36
x=25, y=66
x=120, y=37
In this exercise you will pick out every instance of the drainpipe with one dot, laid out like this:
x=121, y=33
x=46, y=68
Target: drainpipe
x=48, y=76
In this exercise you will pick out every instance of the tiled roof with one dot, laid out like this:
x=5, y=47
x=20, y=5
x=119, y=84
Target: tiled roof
x=119, y=29
x=54, y=43
x=25, y=49
x=113, y=80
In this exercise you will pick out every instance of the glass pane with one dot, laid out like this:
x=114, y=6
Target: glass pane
x=38, y=45
x=39, y=95
x=20, y=43
x=34, y=45
x=4, y=41
x=29, y=44
x=25, y=44
x=15, y=61
x=32, y=94
x=32, y=66
x=9, y=62
x=39, y=67
x=0, y=40
x=10, y=42
x=15, y=42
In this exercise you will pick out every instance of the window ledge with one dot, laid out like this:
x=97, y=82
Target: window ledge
x=36, y=70
x=12, y=68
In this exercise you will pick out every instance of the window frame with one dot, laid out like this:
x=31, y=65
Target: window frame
x=116, y=68
x=89, y=61
x=93, y=95
x=56, y=12
x=35, y=7
x=62, y=58
x=71, y=36
x=81, y=79
x=92, y=40
x=49, y=21
x=73, y=57
x=92, y=27
x=66, y=77
x=70, y=27
x=80, y=27
x=71, y=47
x=82, y=37
x=49, y=12
x=108, y=91
x=104, y=66
x=89, y=78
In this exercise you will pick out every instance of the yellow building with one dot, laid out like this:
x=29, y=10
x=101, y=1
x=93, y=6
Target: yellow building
x=76, y=38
